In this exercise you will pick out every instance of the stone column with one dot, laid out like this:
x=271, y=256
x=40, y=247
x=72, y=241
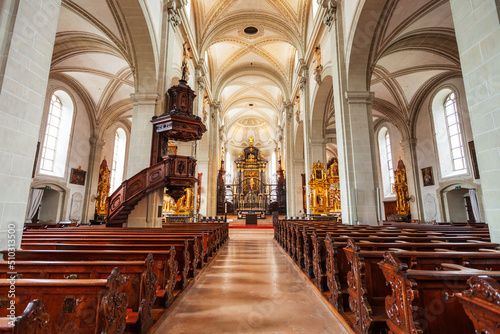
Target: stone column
x=95, y=158
x=27, y=34
x=318, y=150
x=213, y=159
x=289, y=166
x=139, y=154
x=410, y=159
x=359, y=157
x=305, y=105
x=477, y=30
x=354, y=127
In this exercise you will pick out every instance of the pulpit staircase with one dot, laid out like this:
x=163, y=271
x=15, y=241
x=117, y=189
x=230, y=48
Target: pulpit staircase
x=174, y=172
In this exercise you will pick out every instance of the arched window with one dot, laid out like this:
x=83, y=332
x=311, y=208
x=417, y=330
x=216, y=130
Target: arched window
x=454, y=132
x=390, y=165
x=448, y=134
x=57, y=135
x=118, y=166
x=386, y=164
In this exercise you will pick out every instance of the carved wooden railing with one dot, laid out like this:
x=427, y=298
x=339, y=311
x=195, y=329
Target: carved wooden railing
x=175, y=172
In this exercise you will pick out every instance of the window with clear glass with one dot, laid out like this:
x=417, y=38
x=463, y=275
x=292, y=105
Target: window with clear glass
x=51, y=135
x=390, y=165
x=386, y=164
x=454, y=132
x=118, y=164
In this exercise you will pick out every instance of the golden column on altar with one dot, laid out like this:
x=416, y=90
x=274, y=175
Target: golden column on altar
x=401, y=189
x=184, y=205
x=103, y=187
x=318, y=190
x=334, y=187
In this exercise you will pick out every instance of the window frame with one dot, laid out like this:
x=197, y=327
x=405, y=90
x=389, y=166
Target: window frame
x=50, y=116
x=459, y=131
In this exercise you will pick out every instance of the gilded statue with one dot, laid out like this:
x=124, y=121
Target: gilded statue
x=103, y=187
x=401, y=189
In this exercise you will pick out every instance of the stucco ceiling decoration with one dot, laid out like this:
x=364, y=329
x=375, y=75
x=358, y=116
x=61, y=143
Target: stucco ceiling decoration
x=93, y=54
x=414, y=47
x=251, y=73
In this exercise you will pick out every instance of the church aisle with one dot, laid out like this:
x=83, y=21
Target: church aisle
x=251, y=287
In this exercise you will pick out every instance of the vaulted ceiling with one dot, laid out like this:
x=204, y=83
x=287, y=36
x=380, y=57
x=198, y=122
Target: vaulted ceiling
x=414, y=49
x=93, y=54
x=251, y=49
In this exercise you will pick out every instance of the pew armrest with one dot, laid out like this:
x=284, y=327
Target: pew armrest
x=482, y=303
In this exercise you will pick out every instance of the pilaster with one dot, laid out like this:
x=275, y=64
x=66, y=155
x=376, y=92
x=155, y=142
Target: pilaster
x=139, y=156
x=96, y=146
x=477, y=29
x=27, y=34
x=410, y=159
x=359, y=157
x=289, y=169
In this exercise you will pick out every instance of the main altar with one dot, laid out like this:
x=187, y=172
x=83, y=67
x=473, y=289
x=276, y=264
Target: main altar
x=250, y=191
x=251, y=196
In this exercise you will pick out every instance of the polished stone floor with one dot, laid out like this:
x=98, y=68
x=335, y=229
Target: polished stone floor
x=251, y=287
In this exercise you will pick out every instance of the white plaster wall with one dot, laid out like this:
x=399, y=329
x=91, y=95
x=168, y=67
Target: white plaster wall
x=175, y=70
x=349, y=11
x=78, y=148
x=427, y=152
x=155, y=11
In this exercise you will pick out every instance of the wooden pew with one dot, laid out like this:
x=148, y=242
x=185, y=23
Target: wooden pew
x=183, y=250
x=194, y=248
x=425, y=301
x=166, y=266
x=74, y=306
x=34, y=320
x=482, y=303
x=138, y=284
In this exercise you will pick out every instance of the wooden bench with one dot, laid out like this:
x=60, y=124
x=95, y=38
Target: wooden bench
x=424, y=301
x=74, y=306
x=166, y=266
x=342, y=273
x=137, y=286
x=33, y=320
x=482, y=303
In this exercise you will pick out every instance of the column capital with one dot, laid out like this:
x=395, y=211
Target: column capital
x=316, y=141
x=359, y=97
x=200, y=81
x=144, y=98
x=330, y=11
x=287, y=104
x=215, y=104
x=173, y=12
x=302, y=83
x=97, y=142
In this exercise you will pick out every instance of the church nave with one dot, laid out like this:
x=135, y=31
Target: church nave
x=251, y=287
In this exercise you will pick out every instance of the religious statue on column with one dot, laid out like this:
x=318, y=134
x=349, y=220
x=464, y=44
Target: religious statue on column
x=401, y=190
x=103, y=187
